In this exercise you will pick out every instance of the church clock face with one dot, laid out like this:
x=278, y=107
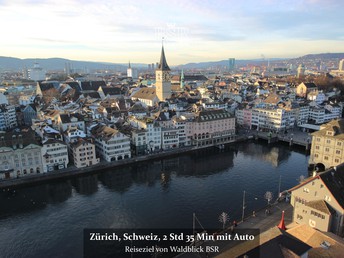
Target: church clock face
x=166, y=77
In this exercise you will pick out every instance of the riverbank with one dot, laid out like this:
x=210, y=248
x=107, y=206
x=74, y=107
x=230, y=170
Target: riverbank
x=73, y=171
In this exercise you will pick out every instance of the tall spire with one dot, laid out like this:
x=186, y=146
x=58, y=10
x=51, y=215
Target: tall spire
x=129, y=65
x=163, y=64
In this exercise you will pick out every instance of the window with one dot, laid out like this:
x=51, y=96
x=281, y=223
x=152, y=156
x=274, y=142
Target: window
x=325, y=157
x=336, y=160
x=327, y=149
x=338, y=152
x=339, y=143
x=317, y=147
x=299, y=217
x=328, y=141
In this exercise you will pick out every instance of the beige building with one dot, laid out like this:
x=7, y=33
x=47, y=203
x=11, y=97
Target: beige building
x=212, y=127
x=328, y=144
x=304, y=88
x=84, y=152
x=20, y=155
x=147, y=96
x=319, y=201
x=324, y=244
x=163, y=78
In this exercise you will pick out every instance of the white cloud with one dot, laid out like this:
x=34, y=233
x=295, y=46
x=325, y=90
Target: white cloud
x=201, y=29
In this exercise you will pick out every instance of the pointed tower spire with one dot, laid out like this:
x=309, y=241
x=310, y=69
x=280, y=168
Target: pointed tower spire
x=163, y=63
x=129, y=64
x=281, y=225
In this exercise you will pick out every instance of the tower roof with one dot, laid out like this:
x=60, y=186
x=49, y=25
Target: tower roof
x=163, y=64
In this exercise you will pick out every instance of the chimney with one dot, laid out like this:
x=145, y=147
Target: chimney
x=314, y=174
x=14, y=142
x=20, y=141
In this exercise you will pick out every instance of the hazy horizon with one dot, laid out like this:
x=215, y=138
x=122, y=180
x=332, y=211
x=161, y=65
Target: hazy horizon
x=193, y=31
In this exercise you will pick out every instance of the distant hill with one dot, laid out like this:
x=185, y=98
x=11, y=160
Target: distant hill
x=11, y=63
x=16, y=64
x=223, y=63
x=323, y=56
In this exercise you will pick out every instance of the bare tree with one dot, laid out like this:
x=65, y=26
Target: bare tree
x=223, y=218
x=268, y=196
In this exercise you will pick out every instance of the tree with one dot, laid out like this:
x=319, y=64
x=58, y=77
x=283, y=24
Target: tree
x=268, y=196
x=223, y=218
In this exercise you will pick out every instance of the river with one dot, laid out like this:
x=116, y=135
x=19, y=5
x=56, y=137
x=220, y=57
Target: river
x=47, y=220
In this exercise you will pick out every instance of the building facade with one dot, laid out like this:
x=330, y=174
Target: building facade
x=20, y=155
x=111, y=145
x=163, y=78
x=8, y=119
x=328, y=144
x=55, y=155
x=212, y=127
x=318, y=201
x=83, y=152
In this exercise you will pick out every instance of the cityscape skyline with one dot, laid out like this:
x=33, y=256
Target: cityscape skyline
x=193, y=31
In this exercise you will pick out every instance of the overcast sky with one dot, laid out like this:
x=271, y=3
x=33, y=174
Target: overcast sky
x=193, y=30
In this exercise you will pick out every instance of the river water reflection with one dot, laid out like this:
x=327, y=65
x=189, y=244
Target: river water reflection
x=48, y=219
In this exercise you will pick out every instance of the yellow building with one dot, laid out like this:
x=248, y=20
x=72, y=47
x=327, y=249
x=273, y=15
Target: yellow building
x=319, y=201
x=328, y=144
x=304, y=88
x=163, y=78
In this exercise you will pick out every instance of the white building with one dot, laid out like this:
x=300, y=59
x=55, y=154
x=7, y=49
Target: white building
x=36, y=73
x=184, y=127
x=318, y=96
x=55, y=155
x=324, y=114
x=72, y=134
x=26, y=100
x=153, y=131
x=272, y=119
x=66, y=121
x=111, y=145
x=139, y=141
x=3, y=99
x=8, y=119
x=132, y=73
x=169, y=138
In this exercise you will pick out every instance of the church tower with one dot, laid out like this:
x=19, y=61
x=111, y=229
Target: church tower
x=129, y=71
x=163, y=78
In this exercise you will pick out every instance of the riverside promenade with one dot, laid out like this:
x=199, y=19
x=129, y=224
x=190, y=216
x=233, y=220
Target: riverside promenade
x=260, y=220
x=72, y=171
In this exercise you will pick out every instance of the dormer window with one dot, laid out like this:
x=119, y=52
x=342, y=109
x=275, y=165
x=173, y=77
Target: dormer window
x=330, y=133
